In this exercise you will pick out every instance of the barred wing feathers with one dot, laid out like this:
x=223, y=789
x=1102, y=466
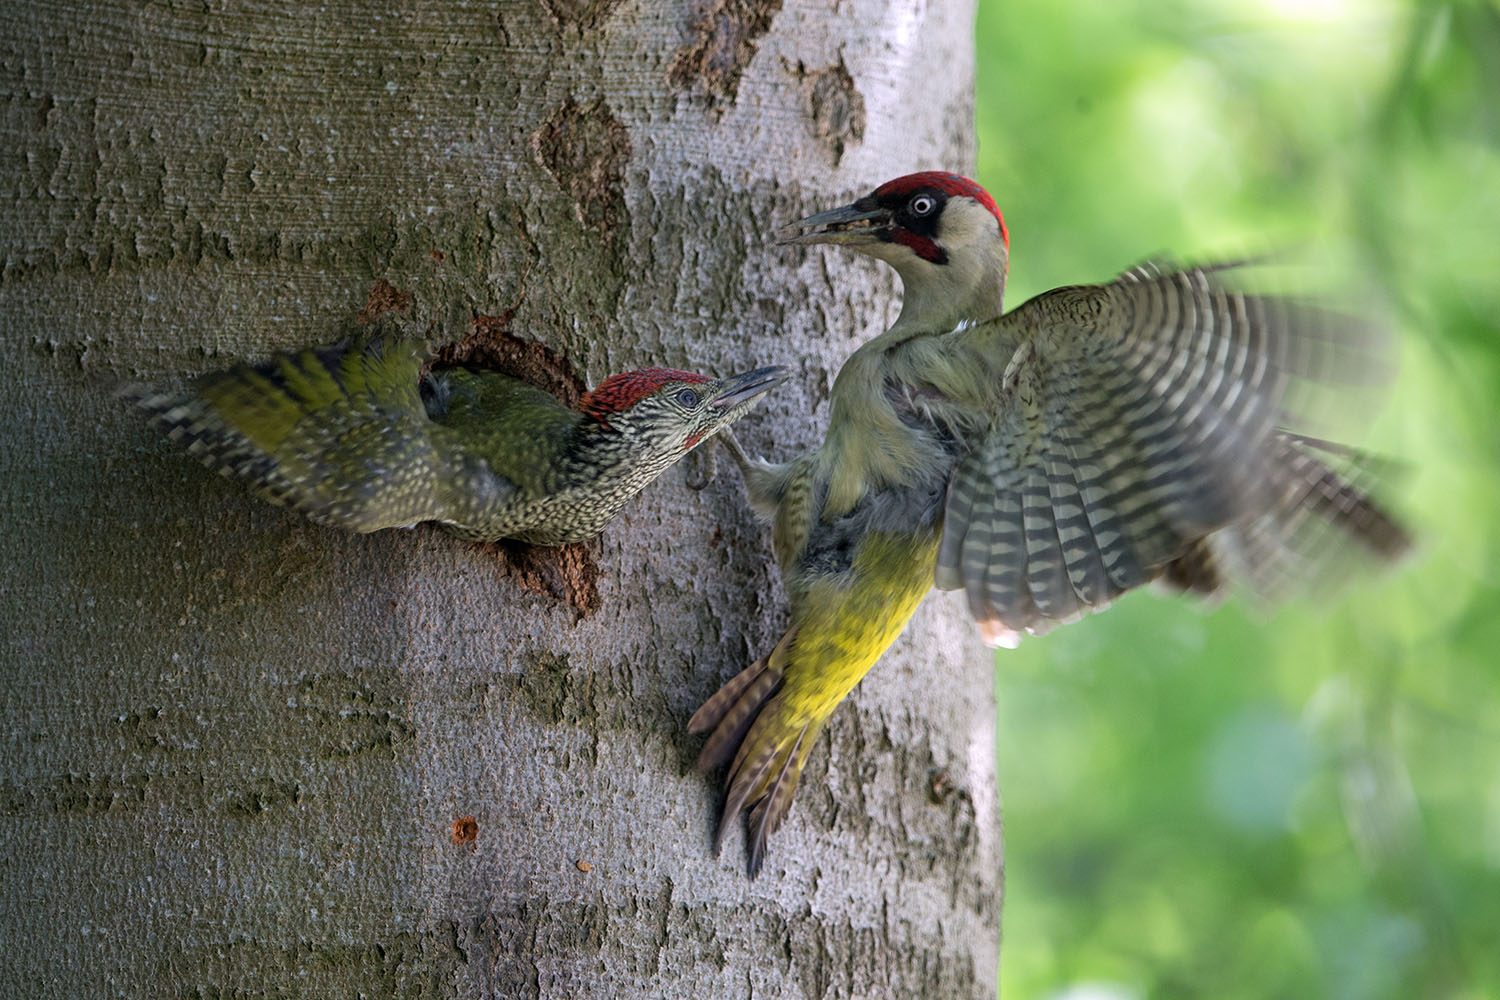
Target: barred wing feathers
x=1135, y=419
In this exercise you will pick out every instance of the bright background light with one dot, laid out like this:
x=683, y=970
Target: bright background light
x=1227, y=804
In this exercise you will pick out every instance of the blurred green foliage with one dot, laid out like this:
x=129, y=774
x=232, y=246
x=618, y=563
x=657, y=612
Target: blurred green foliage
x=1233, y=804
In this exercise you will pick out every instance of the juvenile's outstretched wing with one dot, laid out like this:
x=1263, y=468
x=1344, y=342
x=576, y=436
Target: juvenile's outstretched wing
x=339, y=434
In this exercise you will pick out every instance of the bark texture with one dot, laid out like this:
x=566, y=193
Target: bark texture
x=246, y=756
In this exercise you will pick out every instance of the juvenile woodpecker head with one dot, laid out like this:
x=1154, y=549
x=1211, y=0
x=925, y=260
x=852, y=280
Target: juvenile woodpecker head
x=941, y=232
x=656, y=414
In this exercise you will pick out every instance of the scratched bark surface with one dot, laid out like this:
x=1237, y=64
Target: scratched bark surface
x=240, y=752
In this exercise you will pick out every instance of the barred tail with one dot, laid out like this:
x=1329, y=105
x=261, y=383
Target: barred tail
x=766, y=750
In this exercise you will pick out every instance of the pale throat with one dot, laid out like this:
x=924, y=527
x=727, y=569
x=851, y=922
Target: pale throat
x=940, y=296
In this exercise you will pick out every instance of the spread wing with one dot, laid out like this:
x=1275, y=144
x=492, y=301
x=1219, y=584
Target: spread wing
x=1134, y=420
x=339, y=433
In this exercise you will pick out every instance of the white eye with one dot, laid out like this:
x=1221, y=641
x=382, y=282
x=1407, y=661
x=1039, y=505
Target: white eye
x=923, y=204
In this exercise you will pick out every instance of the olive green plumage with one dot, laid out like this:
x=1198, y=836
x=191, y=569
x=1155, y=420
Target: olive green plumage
x=354, y=436
x=1043, y=460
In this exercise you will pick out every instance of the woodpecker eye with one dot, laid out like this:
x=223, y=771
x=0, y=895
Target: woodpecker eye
x=688, y=398
x=923, y=204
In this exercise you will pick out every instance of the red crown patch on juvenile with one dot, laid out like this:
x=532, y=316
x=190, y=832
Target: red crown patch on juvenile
x=621, y=392
x=949, y=184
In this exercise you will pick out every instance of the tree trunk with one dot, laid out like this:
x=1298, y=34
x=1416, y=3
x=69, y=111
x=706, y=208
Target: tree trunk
x=248, y=756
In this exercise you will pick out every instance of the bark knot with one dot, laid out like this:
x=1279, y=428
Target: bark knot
x=384, y=297
x=724, y=35
x=834, y=107
x=586, y=150
x=582, y=15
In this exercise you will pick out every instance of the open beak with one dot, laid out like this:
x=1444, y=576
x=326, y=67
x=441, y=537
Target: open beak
x=861, y=222
x=746, y=386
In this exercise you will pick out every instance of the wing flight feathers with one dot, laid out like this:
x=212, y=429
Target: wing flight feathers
x=1135, y=420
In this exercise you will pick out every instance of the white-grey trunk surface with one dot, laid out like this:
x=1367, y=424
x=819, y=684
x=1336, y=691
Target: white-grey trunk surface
x=239, y=750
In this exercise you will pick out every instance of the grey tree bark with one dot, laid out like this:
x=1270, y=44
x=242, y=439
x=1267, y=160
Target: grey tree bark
x=246, y=756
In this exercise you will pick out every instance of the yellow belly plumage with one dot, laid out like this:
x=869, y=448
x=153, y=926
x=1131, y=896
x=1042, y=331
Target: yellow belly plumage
x=844, y=623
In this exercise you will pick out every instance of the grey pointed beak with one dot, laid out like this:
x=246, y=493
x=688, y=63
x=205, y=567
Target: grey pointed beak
x=860, y=222
x=746, y=386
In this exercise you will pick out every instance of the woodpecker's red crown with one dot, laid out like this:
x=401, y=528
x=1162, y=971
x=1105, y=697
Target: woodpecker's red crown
x=952, y=185
x=675, y=409
x=930, y=214
x=941, y=232
x=620, y=392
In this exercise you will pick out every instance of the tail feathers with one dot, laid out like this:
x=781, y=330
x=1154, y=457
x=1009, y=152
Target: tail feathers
x=766, y=815
x=732, y=709
x=748, y=721
x=337, y=433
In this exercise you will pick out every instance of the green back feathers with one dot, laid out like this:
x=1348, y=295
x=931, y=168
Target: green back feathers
x=517, y=429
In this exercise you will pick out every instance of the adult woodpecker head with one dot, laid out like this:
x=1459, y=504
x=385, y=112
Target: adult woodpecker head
x=941, y=232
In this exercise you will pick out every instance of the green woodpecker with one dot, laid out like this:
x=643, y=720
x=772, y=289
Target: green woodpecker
x=357, y=437
x=1044, y=461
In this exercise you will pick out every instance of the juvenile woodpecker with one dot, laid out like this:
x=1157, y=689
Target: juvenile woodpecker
x=354, y=436
x=1043, y=460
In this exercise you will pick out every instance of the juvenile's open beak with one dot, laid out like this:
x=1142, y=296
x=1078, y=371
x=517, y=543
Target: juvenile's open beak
x=860, y=222
x=746, y=386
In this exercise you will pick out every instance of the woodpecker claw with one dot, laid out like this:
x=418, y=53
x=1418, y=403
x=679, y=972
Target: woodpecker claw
x=736, y=451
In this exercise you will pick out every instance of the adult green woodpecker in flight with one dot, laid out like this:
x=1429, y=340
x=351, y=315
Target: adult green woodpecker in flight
x=355, y=436
x=1044, y=461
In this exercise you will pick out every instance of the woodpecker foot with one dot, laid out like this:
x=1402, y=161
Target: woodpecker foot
x=736, y=452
